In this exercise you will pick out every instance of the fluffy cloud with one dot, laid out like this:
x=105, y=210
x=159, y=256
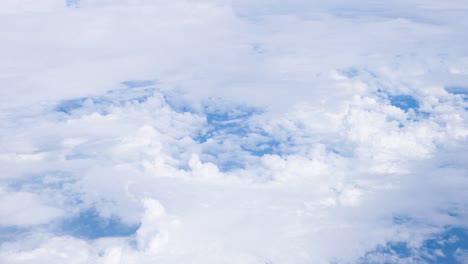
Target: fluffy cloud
x=233, y=132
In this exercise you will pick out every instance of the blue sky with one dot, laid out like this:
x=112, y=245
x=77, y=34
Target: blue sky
x=140, y=131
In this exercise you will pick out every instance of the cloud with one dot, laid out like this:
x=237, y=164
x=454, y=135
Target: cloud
x=30, y=6
x=233, y=132
x=123, y=151
x=23, y=209
x=90, y=49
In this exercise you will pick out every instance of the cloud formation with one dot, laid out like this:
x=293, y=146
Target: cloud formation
x=233, y=132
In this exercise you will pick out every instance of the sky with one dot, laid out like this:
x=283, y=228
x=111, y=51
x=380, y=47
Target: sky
x=233, y=131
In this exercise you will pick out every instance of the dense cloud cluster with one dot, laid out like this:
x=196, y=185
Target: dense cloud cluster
x=233, y=132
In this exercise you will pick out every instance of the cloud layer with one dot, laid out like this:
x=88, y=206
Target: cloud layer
x=233, y=132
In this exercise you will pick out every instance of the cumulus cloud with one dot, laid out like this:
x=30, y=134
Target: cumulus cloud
x=233, y=132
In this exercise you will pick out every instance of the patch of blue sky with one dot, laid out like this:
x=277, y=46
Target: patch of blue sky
x=458, y=90
x=263, y=148
x=222, y=122
x=11, y=233
x=448, y=243
x=404, y=102
x=235, y=126
x=441, y=248
x=219, y=134
x=231, y=152
x=399, y=248
x=89, y=224
x=68, y=106
x=227, y=118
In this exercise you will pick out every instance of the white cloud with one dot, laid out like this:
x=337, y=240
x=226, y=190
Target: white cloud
x=24, y=209
x=30, y=6
x=307, y=198
x=319, y=176
x=461, y=255
x=89, y=49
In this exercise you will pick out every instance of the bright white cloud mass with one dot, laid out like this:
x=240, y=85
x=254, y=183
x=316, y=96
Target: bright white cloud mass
x=233, y=131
